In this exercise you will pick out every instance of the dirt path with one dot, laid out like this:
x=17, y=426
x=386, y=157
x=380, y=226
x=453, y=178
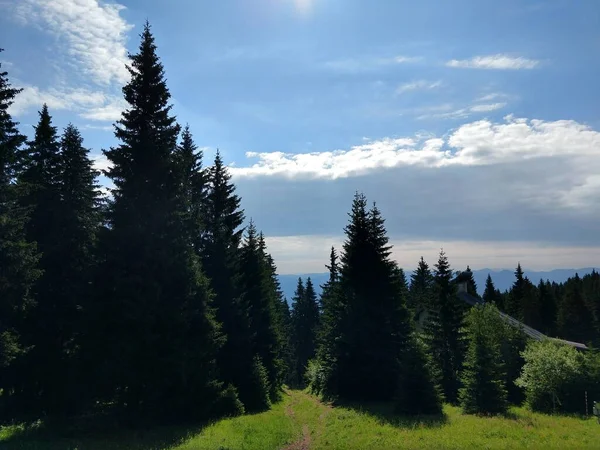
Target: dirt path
x=312, y=431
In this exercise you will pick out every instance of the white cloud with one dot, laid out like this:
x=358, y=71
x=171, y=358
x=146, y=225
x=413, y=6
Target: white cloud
x=463, y=113
x=366, y=64
x=491, y=96
x=487, y=107
x=564, y=152
x=499, y=61
x=418, y=85
x=94, y=34
x=100, y=162
x=90, y=104
x=310, y=253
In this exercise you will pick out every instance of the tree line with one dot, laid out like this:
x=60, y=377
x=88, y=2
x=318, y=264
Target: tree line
x=156, y=303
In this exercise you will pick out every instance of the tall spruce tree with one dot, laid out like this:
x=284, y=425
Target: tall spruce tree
x=73, y=254
x=421, y=285
x=219, y=246
x=515, y=299
x=305, y=321
x=483, y=374
x=18, y=257
x=443, y=329
x=332, y=309
x=276, y=298
x=159, y=334
x=471, y=284
x=260, y=299
x=491, y=295
x=193, y=185
x=40, y=177
x=375, y=334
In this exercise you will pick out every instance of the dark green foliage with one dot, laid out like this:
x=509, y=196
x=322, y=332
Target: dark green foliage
x=218, y=243
x=305, y=322
x=483, y=375
x=421, y=289
x=158, y=337
x=48, y=328
x=18, y=257
x=193, y=186
x=548, y=308
x=332, y=306
x=575, y=321
x=371, y=339
x=492, y=295
x=417, y=392
x=514, y=302
x=260, y=299
x=513, y=342
x=443, y=329
x=556, y=376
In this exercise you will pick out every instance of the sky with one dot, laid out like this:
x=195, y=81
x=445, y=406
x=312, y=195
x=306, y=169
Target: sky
x=474, y=124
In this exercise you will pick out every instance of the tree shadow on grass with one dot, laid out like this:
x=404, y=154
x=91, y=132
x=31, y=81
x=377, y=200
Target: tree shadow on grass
x=385, y=414
x=56, y=436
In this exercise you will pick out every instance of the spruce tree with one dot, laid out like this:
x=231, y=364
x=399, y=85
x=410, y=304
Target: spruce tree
x=18, y=257
x=218, y=243
x=374, y=343
x=490, y=294
x=40, y=176
x=443, y=329
x=260, y=300
x=515, y=299
x=305, y=321
x=548, y=308
x=471, y=284
x=73, y=254
x=483, y=374
x=575, y=321
x=421, y=286
x=298, y=297
x=193, y=185
x=332, y=310
x=159, y=335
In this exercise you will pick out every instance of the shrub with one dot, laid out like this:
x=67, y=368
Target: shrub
x=315, y=376
x=556, y=376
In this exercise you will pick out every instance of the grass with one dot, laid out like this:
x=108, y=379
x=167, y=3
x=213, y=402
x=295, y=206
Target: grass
x=301, y=422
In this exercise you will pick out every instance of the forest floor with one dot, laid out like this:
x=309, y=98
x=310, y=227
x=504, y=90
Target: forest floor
x=301, y=422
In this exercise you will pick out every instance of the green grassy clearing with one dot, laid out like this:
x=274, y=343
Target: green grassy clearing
x=301, y=422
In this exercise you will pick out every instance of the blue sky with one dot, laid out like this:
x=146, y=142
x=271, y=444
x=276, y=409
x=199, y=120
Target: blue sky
x=474, y=124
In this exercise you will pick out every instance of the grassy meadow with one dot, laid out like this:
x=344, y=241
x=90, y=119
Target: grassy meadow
x=301, y=422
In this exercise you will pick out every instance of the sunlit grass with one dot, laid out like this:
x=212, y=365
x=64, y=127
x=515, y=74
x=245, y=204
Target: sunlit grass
x=300, y=421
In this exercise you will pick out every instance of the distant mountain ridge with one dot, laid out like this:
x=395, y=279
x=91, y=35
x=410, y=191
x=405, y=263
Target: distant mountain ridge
x=503, y=278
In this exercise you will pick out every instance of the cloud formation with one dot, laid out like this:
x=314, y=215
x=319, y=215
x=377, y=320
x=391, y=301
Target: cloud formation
x=517, y=180
x=90, y=104
x=93, y=33
x=499, y=61
x=367, y=64
x=418, y=85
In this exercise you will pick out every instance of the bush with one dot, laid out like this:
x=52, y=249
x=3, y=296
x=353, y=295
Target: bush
x=483, y=376
x=315, y=376
x=556, y=376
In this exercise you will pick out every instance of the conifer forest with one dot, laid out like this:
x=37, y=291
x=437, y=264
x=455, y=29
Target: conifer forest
x=159, y=303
